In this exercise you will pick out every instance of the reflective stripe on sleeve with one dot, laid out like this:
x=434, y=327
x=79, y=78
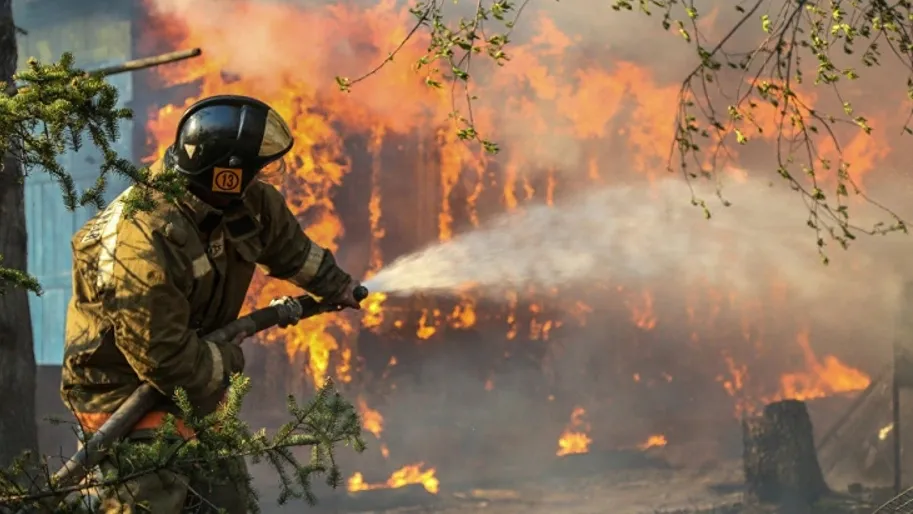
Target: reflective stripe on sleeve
x=217, y=374
x=310, y=267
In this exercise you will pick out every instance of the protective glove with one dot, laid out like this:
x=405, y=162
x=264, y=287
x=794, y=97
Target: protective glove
x=334, y=285
x=232, y=356
x=233, y=362
x=346, y=295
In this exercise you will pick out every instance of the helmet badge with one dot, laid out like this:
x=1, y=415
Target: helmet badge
x=226, y=180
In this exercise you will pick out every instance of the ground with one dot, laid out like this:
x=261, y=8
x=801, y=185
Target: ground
x=644, y=490
x=678, y=479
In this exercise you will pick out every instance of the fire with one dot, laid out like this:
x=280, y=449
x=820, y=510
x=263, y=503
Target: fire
x=407, y=475
x=821, y=378
x=377, y=232
x=885, y=431
x=654, y=441
x=642, y=311
x=575, y=438
x=564, y=108
x=426, y=325
x=372, y=307
x=591, y=103
x=344, y=367
x=573, y=442
x=371, y=420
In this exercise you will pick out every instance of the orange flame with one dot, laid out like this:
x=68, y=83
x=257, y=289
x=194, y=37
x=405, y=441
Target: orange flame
x=654, y=441
x=371, y=420
x=575, y=438
x=817, y=380
x=821, y=379
x=407, y=475
x=642, y=314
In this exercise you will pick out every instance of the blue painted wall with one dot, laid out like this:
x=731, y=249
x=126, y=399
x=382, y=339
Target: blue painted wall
x=96, y=38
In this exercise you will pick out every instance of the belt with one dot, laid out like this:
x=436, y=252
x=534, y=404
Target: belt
x=92, y=421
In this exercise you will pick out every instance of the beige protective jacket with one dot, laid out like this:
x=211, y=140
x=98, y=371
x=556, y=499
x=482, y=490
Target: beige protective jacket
x=146, y=288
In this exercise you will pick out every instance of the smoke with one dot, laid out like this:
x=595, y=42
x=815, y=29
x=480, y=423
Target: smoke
x=566, y=108
x=587, y=83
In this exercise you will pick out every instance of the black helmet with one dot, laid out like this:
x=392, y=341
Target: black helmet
x=223, y=142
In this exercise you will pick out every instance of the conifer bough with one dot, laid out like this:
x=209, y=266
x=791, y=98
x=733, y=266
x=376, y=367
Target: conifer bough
x=134, y=65
x=281, y=312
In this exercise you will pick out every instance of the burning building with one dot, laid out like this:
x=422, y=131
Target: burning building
x=452, y=384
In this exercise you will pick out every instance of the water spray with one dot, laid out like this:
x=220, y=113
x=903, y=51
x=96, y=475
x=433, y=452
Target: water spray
x=619, y=234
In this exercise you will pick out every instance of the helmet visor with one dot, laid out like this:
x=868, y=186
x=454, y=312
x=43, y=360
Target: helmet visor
x=277, y=138
x=273, y=173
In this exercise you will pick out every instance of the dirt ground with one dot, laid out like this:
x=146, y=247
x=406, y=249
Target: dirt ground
x=645, y=491
x=678, y=479
x=624, y=491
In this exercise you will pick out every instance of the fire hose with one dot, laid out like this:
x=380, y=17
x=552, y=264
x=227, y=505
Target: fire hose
x=282, y=312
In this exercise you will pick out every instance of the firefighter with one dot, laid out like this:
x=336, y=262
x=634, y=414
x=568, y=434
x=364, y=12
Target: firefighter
x=146, y=286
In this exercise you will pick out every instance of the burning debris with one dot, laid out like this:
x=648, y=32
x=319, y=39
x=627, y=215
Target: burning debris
x=575, y=438
x=408, y=475
x=373, y=422
x=654, y=441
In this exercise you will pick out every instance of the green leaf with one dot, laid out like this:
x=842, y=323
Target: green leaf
x=344, y=84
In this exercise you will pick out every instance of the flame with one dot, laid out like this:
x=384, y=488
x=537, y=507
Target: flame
x=609, y=101
x=371, y=420
x=344, y=367
x=377, y=232
x=426, y=324
x=885, y=431
x=654, y=441
x=464, y=314
x=372, y=306
x=601, y=103
x=574, y=439
x=734, y=384
x=642, y=314
x=407, y=475
x=820, y=379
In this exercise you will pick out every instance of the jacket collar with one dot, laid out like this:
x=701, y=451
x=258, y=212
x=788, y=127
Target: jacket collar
x=204, y=214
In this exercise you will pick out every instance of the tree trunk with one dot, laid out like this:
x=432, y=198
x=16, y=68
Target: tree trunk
x=781, y=465
x=18, y=427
